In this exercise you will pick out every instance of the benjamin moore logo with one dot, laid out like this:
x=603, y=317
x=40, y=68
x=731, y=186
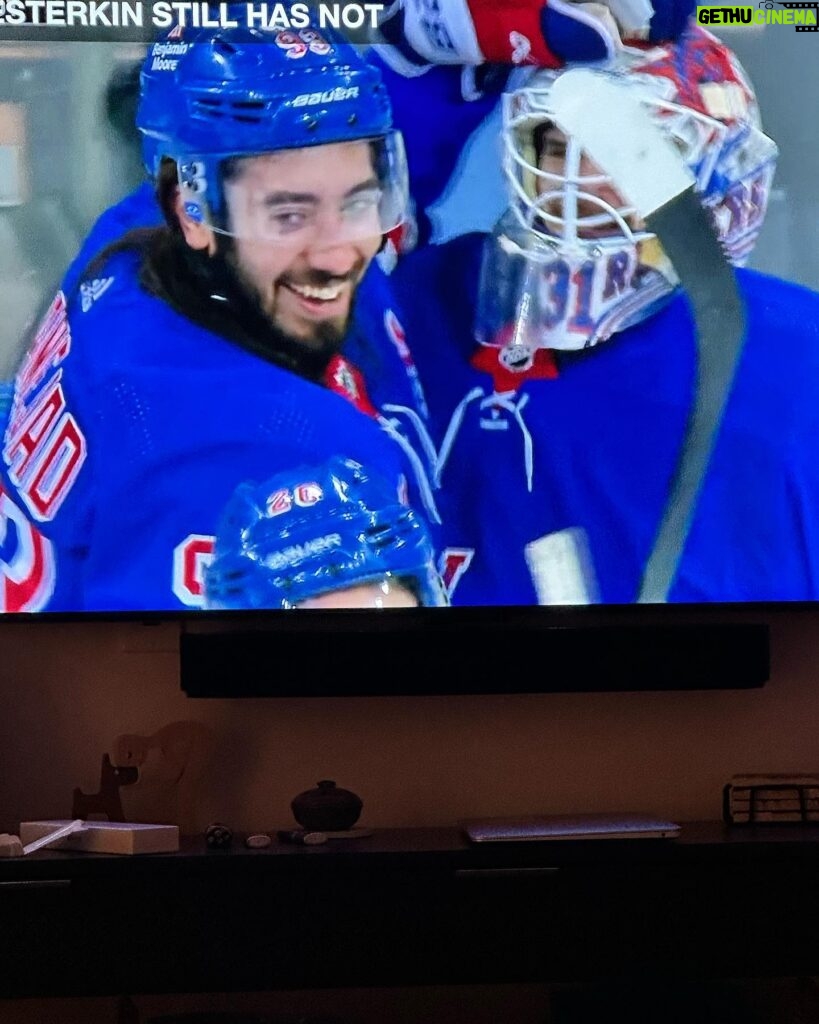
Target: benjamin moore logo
x=803, y=16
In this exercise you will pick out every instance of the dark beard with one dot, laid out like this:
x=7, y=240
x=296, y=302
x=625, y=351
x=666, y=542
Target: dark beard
x=209, y=291
x=326, y=339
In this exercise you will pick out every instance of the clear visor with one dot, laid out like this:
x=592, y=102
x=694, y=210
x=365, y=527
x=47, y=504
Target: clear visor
x=328, y=194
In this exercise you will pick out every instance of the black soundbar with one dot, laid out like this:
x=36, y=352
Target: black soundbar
x=345, y=654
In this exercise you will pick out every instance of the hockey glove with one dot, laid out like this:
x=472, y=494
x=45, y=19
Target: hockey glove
x=502, y=31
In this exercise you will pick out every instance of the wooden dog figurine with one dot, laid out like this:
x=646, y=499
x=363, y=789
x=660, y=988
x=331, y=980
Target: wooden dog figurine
x=107, y=801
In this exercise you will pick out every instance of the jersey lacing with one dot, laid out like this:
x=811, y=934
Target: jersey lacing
x=512, y=403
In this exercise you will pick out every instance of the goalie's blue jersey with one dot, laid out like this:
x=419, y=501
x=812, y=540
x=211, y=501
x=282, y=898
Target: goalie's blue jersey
x=553, y=491
x=132, y=426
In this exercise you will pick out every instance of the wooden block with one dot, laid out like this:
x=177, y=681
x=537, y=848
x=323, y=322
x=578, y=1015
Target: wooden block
x=107, y=836
x=10, y=846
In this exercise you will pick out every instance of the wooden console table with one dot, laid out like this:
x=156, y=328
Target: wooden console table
x=412, y=906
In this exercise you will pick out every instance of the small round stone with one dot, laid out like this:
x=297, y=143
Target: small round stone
x=258, y=841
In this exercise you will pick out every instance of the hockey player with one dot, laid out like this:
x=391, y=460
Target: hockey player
x=222, y=345
x=445, y=67
x=331, y=535
x=560, y=354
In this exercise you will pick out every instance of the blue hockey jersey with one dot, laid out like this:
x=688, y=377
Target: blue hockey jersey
x=138, y=209
x=552, y=491
x=131, y=426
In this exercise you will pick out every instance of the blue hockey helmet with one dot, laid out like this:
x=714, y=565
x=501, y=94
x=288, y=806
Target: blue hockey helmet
x=212, y=96
x=308, y=531
x=156, y=83
x=157, y=79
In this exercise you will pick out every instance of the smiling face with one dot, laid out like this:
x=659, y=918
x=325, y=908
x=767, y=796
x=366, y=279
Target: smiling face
x=305, y=226
x=570, y=176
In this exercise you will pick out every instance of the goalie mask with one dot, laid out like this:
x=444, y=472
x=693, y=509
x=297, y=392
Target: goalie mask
x=570, y=263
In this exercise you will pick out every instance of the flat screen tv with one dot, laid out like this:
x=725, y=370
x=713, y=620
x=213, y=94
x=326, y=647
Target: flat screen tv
x=69, y=151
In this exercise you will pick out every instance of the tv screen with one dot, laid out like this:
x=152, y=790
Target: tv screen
x=519, y=354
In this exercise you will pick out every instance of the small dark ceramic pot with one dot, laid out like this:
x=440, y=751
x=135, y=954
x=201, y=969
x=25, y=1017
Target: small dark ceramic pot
x=326, y=808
